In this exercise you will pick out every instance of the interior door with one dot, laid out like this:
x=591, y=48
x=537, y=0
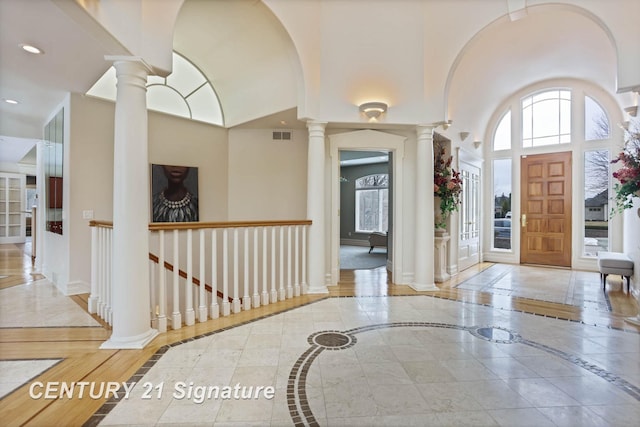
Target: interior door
x=545, y=207
x=469, y=245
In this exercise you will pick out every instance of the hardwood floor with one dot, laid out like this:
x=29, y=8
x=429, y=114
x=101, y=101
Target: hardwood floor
x=83, y=360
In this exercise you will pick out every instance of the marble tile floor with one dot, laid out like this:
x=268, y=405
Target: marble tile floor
x=378, y=360
x=393, y=361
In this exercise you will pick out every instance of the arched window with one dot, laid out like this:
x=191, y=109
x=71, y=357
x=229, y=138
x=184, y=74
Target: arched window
x=502, y=137
x=184, y=93
x=546, y=118
x=372, y=203
x=596, y=123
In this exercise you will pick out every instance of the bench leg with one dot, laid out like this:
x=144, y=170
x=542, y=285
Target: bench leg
x=604, y=281
x=370, y=249
x=628, y=283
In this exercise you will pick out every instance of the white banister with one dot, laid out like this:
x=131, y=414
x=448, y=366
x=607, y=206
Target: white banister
x=176, y=316
x=226, y=307
x=265, y=282
x=289, y=264
x=202, y=295
x=246, y=300
x=215, y=308
x=256, y=284
x=190, y=314
x=162, y=287
x=259, y=262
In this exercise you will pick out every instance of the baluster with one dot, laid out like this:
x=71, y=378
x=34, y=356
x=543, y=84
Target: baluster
x=176, y=316
x=152, y=294
x=289, y=268
x=281, y=290
x=215, y=309
x=109, y=287
x=296, y=285
x=256, y=284
x=246, y=299
x=189, y=315
x=274, y=291
x=303, y=283
x=226, y=308
x=265, y=283
x=236, y=301
x=92, y=304
x=162, y=286
x=202, y=299
x=102, y=281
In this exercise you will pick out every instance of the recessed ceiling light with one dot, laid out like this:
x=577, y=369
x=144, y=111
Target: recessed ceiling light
x=10, y=101
x=31, y=49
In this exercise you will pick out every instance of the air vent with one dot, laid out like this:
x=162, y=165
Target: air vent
x=279, y=135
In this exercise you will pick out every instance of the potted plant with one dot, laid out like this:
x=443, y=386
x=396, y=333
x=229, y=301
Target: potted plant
x=628, y=176
x=447, y=186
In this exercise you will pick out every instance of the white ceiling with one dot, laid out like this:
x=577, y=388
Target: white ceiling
x=500, y=59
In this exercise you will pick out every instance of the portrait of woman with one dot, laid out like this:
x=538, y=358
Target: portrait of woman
x=174, y=193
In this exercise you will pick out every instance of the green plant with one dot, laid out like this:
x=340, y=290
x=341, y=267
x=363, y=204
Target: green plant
x=628, y=175
x=447, y=185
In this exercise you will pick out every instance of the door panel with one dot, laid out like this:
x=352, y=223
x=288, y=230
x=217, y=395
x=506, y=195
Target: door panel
x=469, y=239
x=545, y=224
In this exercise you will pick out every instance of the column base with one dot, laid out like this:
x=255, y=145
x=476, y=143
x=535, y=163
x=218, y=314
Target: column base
x=424, y=287
x=130, y=343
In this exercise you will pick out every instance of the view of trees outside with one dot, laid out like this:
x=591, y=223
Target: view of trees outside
x=596, y=177
x=502, y=203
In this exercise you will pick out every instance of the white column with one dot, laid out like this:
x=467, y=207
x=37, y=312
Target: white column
x=424, y=239
x=130, y=272
x=315, y=209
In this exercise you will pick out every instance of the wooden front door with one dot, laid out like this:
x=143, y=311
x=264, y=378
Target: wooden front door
x=545, y=208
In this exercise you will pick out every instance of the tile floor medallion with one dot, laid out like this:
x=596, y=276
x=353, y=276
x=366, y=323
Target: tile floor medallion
x=393, y=361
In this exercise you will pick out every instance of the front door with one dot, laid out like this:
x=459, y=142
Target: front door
x=545, y=209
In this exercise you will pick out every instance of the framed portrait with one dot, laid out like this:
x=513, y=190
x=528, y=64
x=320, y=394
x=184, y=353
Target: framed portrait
x=174, y=193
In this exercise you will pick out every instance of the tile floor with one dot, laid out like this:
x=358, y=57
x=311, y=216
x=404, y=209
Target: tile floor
x=380, y=360
x=395, y=361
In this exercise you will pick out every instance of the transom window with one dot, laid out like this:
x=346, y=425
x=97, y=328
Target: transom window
x=546, y=118
x=372, y=203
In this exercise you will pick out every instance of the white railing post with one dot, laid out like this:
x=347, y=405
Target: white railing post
x=190, y=314
x=246, y=299
x=109, y=286
x=226, y=308
x=281, y=290
x=215, y=308
x=162, y=286
x=256, y=284
x=92, y=304
x=304, y=286
x=296, y=285
x=202, y=296
x=265, y=282
x=176, y=316
x=274, y=291
x=236, y=300
x=289, y=264
x=152, y=294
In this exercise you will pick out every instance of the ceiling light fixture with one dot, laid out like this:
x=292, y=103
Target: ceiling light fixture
x=373, y=110
x=10, y=101
x=464, y=135
x=477, y=144
x=445, y=124
x=31, y=49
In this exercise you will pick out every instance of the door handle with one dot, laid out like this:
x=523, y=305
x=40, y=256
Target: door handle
x=524, y=220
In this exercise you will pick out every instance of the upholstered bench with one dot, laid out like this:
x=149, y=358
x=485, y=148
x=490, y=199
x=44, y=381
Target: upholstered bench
x=614, y=263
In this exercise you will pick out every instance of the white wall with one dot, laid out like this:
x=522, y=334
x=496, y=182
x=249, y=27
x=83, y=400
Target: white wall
x=88, y=184
x=267, y=178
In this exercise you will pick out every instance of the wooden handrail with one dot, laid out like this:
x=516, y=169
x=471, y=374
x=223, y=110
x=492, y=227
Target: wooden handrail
x=194, y=280
x=155, y=226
